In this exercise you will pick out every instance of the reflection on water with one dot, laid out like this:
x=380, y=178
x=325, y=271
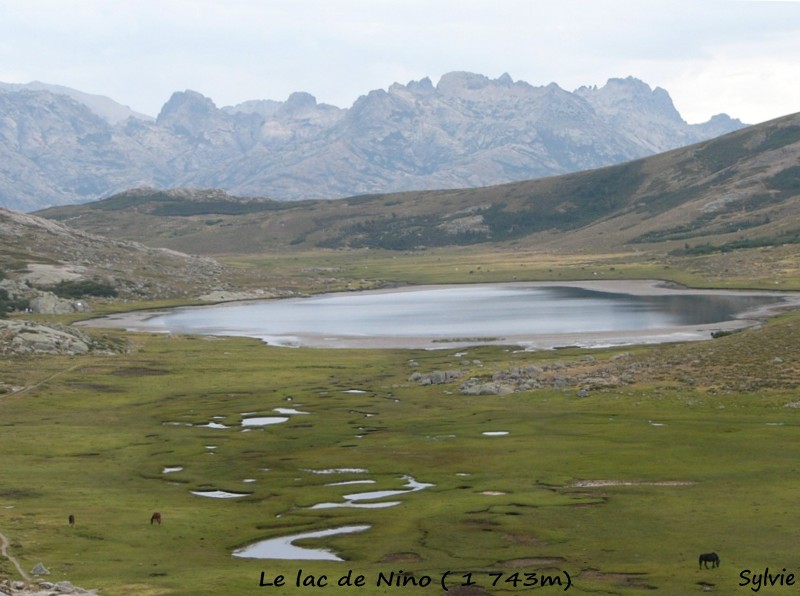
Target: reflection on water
x=463, y=311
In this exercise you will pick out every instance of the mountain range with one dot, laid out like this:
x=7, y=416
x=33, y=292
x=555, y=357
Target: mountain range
x=61, y=146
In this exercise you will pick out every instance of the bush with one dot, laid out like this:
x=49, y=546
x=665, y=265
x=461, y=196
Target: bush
x=8, y=304
x=80, y=289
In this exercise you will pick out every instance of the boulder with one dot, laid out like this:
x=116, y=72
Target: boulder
x=49, y=303
x=26, y=337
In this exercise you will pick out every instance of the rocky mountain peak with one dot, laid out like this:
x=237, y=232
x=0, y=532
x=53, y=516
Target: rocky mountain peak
x=299, y=102
x=459, y=83
x=623, y=95
x=186, y=106
x=423, y=86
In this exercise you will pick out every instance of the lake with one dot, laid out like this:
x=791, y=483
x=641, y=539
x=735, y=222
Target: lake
x=533, y=315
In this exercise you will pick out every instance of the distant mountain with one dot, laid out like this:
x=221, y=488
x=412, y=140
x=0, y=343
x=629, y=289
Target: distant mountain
x=59, y=147
x=740, y=190
x=105, y=107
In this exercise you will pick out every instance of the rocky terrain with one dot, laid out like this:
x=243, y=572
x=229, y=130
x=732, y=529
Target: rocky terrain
x=36, y=253
x=61, y=146
x=41, y=588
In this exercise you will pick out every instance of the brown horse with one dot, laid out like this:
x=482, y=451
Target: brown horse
x=71, y=521
x=156, y=517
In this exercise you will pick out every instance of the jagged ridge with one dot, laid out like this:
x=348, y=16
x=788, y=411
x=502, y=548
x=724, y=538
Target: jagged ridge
x=466, y=131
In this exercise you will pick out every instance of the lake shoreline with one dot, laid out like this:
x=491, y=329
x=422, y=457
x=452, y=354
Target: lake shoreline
x=140, y=321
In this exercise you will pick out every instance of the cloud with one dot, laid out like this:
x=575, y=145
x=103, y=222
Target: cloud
x=734, y=54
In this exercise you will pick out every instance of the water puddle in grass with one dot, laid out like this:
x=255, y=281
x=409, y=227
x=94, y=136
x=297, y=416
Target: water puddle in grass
x=213, y=425
x=354, y=499
x=289, y=411
x=264, y=420
x=346, y=482
x=218, y=494
x=353, y=505
x=283, y=548
x=338, y=471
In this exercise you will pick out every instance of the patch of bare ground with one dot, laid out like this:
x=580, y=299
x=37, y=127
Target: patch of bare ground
x=524, y=538
x=480, y=523
x=401, y=558
x=95, y=387
x=623, y=580
x=537, y=562
x=139, y=371
x=468, y=591
x=597, y=501
x=602, y=483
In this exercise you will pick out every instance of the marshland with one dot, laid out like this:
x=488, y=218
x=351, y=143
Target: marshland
x=615, y=465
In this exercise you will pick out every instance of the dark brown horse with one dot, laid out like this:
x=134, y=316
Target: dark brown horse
x=707, y=558
x=71, y=521
x=156, y=517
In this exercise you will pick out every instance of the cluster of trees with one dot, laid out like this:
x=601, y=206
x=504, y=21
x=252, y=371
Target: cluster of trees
x=83, y=288
x=64, y=289
x=8, y=304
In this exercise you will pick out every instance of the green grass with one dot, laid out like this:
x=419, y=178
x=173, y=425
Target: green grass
x=92, y=434
x=773, y=268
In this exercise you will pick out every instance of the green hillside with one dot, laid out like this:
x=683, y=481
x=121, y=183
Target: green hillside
x=740, y=190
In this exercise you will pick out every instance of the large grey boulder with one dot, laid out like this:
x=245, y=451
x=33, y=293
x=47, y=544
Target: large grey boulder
x=26, y=337
x=50, y=304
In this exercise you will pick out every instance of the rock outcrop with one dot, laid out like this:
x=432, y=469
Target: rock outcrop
x=41, y=588
x=27, y=337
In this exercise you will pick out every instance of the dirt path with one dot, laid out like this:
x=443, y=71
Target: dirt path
x=47, y=379
x=4, y=544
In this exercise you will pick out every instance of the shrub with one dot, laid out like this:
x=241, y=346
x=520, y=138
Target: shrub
x=8, y=304
x=79, y=289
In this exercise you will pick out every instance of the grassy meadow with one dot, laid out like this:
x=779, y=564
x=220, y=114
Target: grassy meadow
x=620, y=490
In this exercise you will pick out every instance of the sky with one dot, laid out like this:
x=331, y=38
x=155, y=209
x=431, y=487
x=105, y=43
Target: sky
x=739, y=57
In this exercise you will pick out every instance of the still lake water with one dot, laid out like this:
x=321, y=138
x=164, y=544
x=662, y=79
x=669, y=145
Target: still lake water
x=447, y=312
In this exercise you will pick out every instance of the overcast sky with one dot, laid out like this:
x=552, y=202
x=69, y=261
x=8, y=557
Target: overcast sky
x=741, y=57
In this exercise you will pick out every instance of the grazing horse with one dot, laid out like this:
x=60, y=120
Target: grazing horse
x=71, y=521
x=156, y=517
x=707, y=558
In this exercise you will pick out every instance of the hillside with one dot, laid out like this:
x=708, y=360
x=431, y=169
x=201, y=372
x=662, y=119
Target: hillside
x=36, y=254
x=742, y=189
x=60, y=146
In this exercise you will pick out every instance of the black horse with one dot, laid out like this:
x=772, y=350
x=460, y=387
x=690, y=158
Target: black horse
x=707, y=558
